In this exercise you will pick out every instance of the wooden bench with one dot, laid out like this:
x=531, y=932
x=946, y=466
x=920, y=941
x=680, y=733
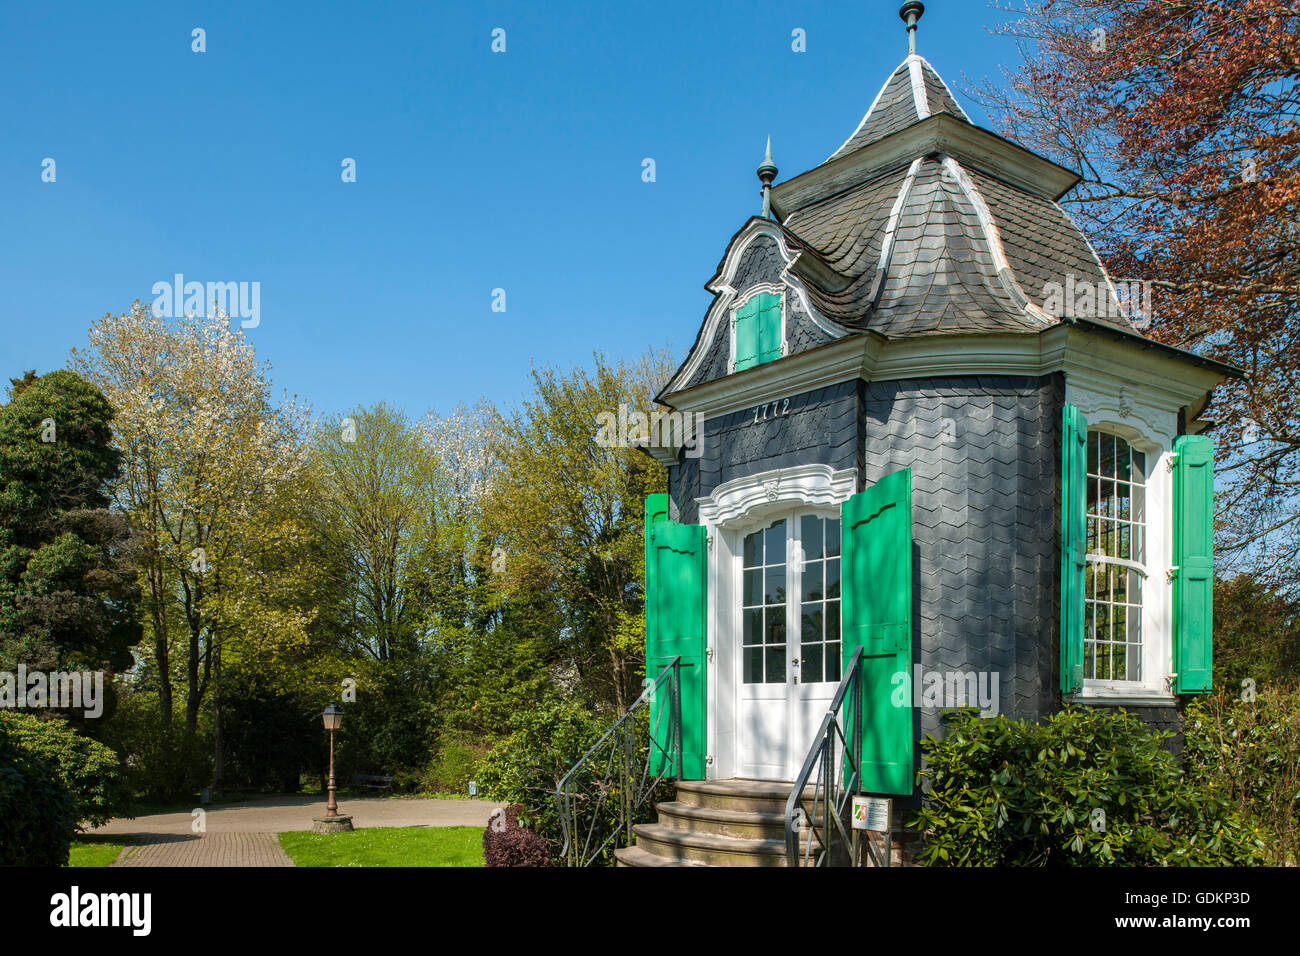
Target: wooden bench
x=372, y=782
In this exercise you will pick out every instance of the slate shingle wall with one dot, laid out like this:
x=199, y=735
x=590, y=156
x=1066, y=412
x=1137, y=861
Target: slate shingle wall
x=983, y=454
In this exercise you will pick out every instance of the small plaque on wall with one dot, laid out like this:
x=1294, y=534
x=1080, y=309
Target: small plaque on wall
x=871, y=813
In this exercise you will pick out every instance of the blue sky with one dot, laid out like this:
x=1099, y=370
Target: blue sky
x=475, y=170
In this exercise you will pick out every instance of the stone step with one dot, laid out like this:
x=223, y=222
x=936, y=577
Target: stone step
x=764, y=796
x=636, y=856
x=708, y=848
x=746, y=824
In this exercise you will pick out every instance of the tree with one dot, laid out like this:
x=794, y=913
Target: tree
x=67, y=582
x=569, y=513
x=208, y=462
x=1183, y=117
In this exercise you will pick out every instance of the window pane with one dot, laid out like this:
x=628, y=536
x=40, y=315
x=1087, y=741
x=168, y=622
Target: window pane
x=833, y=653
x=753, y=549
x=774, y=588
x=753, y=658
x=833, y=578
x=812, y=623
x=752, y=627
x=775, y=665
x=812, y=581
x=752, y=589
x=832, y=620
x=832, y=537
x=810, y=668
x=810, y=529
x=774, y=543
x=775, y=633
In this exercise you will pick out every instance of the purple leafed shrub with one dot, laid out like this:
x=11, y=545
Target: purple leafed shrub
x=506, y=843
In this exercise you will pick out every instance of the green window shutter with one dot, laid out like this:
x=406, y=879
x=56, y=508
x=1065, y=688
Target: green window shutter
x=758, y=331
x=1194, y=552
x=746, y=336
x=876, y=541
x=769, y=326
x=675, y=622
x=1074, y=529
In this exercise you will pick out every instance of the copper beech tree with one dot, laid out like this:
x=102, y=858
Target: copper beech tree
x=1182, y=119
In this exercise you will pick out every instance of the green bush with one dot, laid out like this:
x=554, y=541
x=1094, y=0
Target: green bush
x=1083, y=788
x=37, y=814
x=526, y=766
x=1248, y=751
x=90, y=771
x=453, y=766
x=161, y=764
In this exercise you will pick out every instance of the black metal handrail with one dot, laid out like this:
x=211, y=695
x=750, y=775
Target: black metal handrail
x=835, y=757
x=590, y=826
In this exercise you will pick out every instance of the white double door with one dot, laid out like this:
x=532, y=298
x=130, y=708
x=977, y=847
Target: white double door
x=788, y=637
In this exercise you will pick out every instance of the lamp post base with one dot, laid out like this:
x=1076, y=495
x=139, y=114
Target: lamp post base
x=335, y=824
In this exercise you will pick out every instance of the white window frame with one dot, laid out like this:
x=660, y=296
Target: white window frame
x=1150, y=430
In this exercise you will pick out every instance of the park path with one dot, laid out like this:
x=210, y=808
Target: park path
x=243, y=834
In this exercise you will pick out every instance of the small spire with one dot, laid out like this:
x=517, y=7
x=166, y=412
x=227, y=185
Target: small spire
x=766, y=173
x=911, y=13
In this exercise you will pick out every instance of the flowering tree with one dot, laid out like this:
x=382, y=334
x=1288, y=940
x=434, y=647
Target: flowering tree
x=1183, y=117
x=209, y=469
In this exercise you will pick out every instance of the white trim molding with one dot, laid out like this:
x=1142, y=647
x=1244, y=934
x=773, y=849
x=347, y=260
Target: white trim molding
x=751, y=496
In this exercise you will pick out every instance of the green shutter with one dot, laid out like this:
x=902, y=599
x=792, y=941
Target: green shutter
x=675, y=621
x=769, y=326
x=876, y=541
x=1074, y=528
x=1194, y=552
x=758, y=330
x=746, y=336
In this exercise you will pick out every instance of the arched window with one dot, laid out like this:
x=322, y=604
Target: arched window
x=1116, y=559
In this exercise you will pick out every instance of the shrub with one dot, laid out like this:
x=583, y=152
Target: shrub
x=526, y=766
x=37, y=814
x=1083, y=788
x=1248, y=751
x=507, y=843
x=161, y=764
x=90, y=771
x=452, y=767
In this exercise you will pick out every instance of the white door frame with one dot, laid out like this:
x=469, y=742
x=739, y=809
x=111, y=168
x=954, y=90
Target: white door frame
x=735, y=505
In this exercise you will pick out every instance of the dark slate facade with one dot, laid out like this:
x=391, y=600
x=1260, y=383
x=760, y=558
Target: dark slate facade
x=984, y=454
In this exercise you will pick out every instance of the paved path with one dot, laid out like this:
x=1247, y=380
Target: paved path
x=243, y=834
x=207, y=849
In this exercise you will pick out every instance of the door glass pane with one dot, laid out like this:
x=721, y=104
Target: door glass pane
x=811, y=584
x=774, y=593
x=832, y=537
x=811, y=531
x=774, y=543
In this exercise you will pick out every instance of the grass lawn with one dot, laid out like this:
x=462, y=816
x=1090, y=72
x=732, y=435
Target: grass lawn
x=387, y=846
x=96, y=850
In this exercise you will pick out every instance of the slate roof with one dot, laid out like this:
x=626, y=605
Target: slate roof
x=943, y=241
x=940, y=243
x=912, y=92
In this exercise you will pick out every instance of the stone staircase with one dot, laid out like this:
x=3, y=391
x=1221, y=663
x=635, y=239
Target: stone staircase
x=715, y=823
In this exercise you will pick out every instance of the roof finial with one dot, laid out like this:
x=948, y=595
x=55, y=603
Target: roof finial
x=766, y=173
x=911, y=13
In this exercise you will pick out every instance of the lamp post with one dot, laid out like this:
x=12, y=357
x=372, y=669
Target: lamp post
x=332, y=718
x=333, y=821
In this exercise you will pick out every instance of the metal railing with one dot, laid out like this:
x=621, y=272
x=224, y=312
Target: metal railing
x=616, y=783
x=825, y=830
